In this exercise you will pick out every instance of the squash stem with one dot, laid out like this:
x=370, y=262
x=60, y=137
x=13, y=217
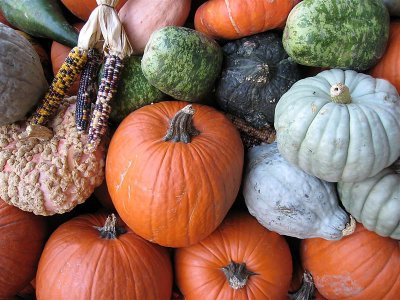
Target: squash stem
x=340, y=93
x=306, y=291
x=181, y=127
x=350, y=227
x=237, y=274
x=110, y=230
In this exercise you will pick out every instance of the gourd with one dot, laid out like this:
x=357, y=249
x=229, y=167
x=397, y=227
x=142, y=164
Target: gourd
x=239, y=18
x=239, y=260
x=22, y=237
x=289, y=201
x=375, y=202
x=83, y=8
x=339, y=125
x=337, y=33
x=361, y=266
x=51, y=174
x=93, y=257
x=172, y=161
x=256, y=72
x=393, y=7
x=22, y=79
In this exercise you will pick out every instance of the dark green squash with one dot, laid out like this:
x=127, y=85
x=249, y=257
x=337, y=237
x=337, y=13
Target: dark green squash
x=256, y=73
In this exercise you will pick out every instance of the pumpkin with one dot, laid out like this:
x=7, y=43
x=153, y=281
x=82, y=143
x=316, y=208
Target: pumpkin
x=92, y=257
x=339, y=125
x=83, y=8
x=22, y=79
x=49, y=174
x=393, y=7
x=239, y=18
x=375, y=202
x=173, y=171
x=255, y=74
x=239, y=260
x=22, y=237
x=285, y=199
x=389, y=65
x=141, y=18
x=363, y=266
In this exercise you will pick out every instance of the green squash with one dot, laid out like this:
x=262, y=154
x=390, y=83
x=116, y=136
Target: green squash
x=339, y=125
x=337, y=33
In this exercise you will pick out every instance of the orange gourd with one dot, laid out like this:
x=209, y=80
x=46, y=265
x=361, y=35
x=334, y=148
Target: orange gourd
x=360, y=266
x=233, y=19
x=83, y=8
x=174, y=189
x=389, y=66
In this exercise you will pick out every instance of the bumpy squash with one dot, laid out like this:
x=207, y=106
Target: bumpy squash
x=288, y=201
x=22, y=79
x=339, y=125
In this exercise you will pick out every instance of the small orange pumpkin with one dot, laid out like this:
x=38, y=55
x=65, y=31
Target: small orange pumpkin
x=83, y=8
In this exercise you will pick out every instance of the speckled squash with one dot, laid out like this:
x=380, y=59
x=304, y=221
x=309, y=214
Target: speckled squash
x=287, y=200
x=339, y=125
x=337, y=33
x=22, y=80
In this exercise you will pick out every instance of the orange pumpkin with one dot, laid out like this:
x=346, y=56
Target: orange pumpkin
x=239, y=260
x=83, y=8
x=363, y=265
x=233, y=19
x=22, y=236
x=85, y=260
x=389, y=65
x=174, y=188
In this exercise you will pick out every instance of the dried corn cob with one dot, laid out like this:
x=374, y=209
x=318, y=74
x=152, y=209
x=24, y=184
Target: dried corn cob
x=87, y=89
x=108, y=87
x=64, y=78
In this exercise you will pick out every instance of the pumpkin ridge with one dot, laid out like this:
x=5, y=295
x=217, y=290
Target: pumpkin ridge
x=233, y=23
x=390, y=197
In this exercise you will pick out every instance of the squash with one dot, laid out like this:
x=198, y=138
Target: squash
x=83, y=8
x=169, y=161
x=141, y=18
x=361, y=266
x=256, y=72
x=239, y=18
x=49, y=175
x=4, y=20
x=22, y=237
x=22, y=79
x=337, y=33
x=393, y=7
x=288, y=201
x=339, y=125
x=239, y=260
x=388, y=67
x=375, y=202
x=93, y=257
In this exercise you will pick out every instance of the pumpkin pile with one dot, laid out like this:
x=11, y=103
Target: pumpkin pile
x=200, y=149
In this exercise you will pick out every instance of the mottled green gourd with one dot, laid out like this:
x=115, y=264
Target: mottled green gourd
x=182, y=62
x=337, y=33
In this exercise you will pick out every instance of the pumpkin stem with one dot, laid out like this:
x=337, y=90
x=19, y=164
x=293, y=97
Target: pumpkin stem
x=181, y=127
x=306, y=291
x=340, y=93
x=350, y=227
x=237, y=274
x=110, y=230
x=37, y=131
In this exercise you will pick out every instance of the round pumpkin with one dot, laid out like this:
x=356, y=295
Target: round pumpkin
x=22, y=79
x=83, y=8
x=92, y=257
x=361, y=266
x=239, y=260
x=22, y=237
x=388, y=66
x=339, y=125
x=173, y=171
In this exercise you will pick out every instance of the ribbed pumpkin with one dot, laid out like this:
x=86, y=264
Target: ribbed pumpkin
x=361, y=266
x=173, y=171
x=388, y=66
x=92, y=257
x=83, y=8
x=22, y=237
x=240, y=260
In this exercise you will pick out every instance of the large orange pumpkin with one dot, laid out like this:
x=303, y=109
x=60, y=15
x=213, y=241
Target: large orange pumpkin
x=22, y=237
x=239, y=260
x=361, y=266
x=83, y=8
x=174, y=192
x=84, y=260
x=233, y=19
x=389, y=65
